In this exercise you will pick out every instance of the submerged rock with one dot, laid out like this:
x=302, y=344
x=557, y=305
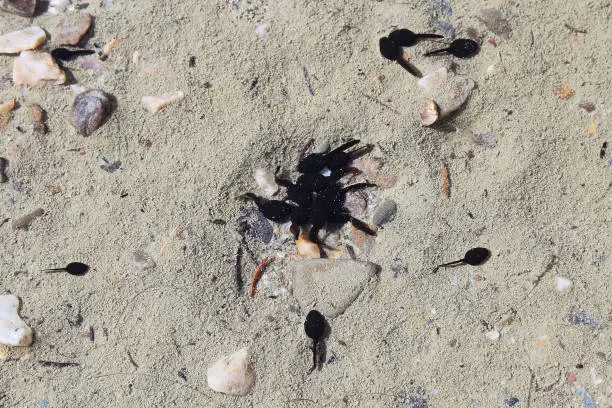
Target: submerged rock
x=35, y=68
x=231, y=374
x=90, y=110
x=330, y=285
x=13, y=330
x=22, y=40
x=72, y=27
x=23, y=8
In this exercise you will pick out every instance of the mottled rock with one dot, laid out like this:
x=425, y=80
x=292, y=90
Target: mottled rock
x=23, y=8
x=72, y=27
x=26, y=39
x=36, y=68
x=90, y=110
x=330, y=285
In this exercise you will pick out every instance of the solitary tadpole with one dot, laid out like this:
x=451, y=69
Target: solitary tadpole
x=474, y=257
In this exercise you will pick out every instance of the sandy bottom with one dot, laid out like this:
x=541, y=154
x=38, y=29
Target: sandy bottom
x=539, y=199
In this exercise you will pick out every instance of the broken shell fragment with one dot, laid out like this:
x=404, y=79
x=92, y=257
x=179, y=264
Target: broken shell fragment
x=13, y=330
x=306, y=248
x=430, y=112
x=90, y=110
x=5, y=112
x=36, y=68
x=22, y=40
x=23, y=8
x=157, y=103
x=231, y=374
x=72, y=27
x=433, y=79
x=266, y=182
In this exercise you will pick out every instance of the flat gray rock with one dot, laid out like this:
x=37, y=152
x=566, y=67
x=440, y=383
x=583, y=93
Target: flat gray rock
x=330, y=285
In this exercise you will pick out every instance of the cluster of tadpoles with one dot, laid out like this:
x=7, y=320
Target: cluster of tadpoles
x=392, y=45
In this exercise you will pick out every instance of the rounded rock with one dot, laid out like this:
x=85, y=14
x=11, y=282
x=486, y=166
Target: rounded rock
x=90, y=110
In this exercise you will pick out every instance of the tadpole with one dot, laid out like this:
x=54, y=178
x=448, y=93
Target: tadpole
x=474, y=257
x=392, y=51
x=314, y=326
x=460, y=48
x=66, y=54
x=73, y=268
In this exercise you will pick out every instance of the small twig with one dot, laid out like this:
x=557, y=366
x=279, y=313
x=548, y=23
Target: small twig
x=575, y=29
x=380, y=103
x=238, y=269
x=131, y=359
x=92, y=334
x=257, y=274
x=445, y=181
x=57, y=364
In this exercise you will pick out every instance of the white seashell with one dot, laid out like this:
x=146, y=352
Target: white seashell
x=157, y=103
x=36, y=68
x=563, y=283
x=430, y=112
x=433, y=79
x=265, y=181
x=231, y=374
x=26, y=39
x=13, y=330
x=492, y=335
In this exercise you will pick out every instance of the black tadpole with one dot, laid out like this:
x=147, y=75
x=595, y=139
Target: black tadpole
x=73, y=268
x=406, y=38
x=392, y=51
x=66, y=54
x=474, y=257
x=460, y=48
x=314, y=326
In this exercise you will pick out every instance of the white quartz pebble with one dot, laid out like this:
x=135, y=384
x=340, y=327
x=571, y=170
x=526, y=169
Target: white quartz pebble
x=157, y=103
x=26, y=39
x=231, y=374
x=266, y=181
x=13, y=330
x=36, y=68
x=563, y=283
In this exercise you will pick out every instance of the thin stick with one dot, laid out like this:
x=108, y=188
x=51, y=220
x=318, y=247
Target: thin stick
x=445, y=181
x=257, y=273
x=57, y=364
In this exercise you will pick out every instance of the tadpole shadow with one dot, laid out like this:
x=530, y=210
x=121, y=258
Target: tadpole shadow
x=322, y=346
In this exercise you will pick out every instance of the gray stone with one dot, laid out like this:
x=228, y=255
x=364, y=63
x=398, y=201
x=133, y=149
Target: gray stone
x=384, y=213
x=330, y=285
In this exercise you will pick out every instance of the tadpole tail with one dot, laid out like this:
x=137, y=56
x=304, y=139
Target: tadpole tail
x=447, y=264
x=361, y=151
x=427, y=54
x=363, y=226
x=427, y=35
x=314, y=357
x=358, y=186
x=345, y=146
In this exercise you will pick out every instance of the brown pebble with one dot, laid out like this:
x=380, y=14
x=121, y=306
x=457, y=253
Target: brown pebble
x=38, y=118
x=589, y=107
x=90, y=110
x=72, y=27
x=3, y=166
x=25, y=221
x=23, y=8
x=5, y=112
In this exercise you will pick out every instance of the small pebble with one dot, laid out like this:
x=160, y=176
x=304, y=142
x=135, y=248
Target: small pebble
x=90, y=110
x=13, y=330
x=72, y=27
x=5, y=112
x=38, y=118
x=25, y=221
x=58, y=6
x=3, y=166
x=496, y=22
x=385, y=212
x=492, y=335
x=23, y=8
x=142, y=261
x=511, y=401
x=563, y=283
x=26, y=39
x=35, y=68
x=157, y=103
x=262, y=30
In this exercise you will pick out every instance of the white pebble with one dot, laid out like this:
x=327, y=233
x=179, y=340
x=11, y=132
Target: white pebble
x=13, y=330
x=265, y=181
x=595, y=378
x=231, y=374
x=58, y=6
x=26, y=39
x=492, y=335
x=262, y=30
x=36, y=68
x=157, y=103
x=563, y=283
